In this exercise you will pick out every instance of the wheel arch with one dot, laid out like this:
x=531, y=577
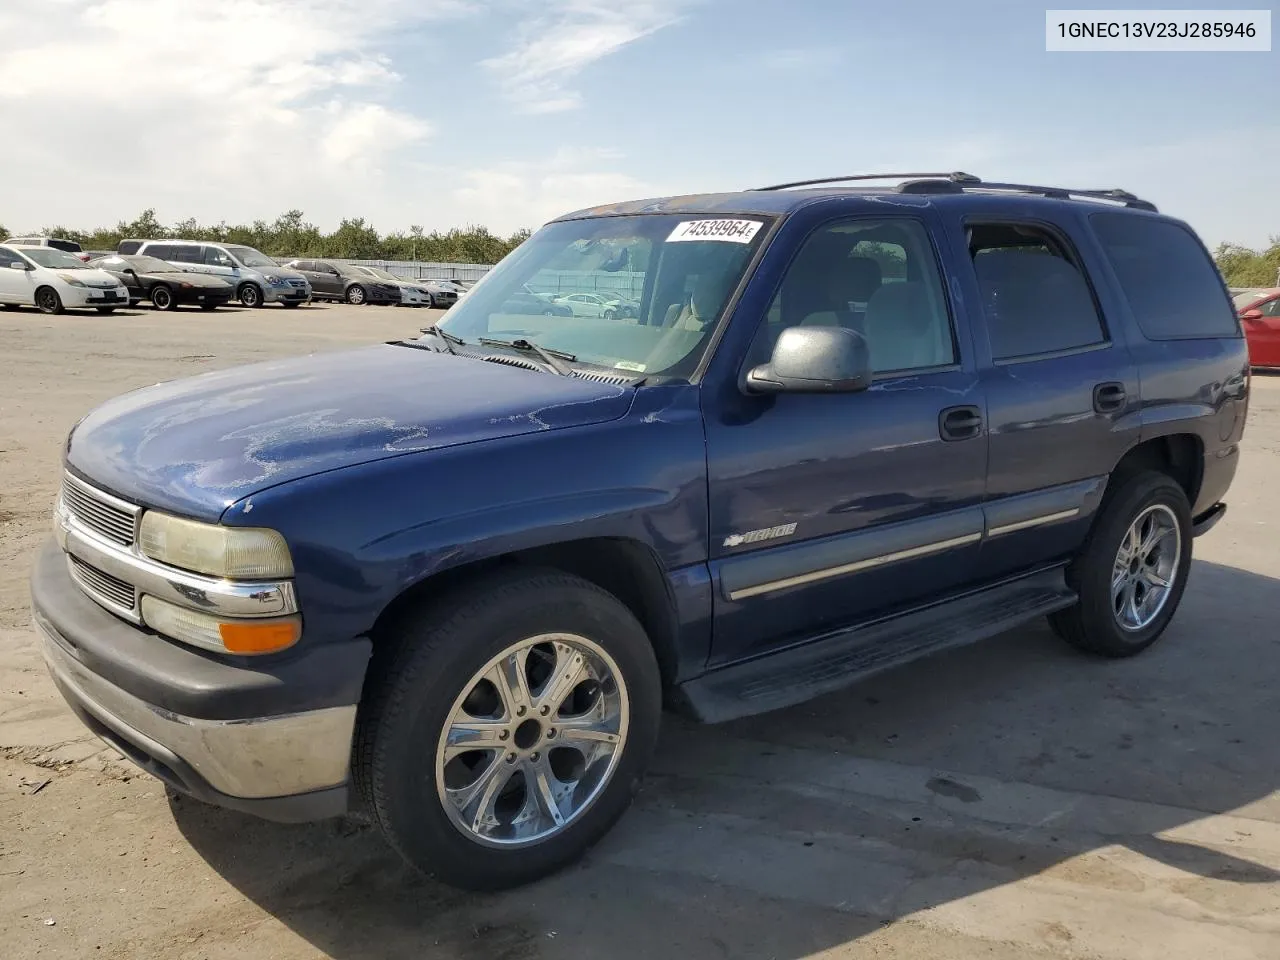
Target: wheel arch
x=625, y=568
x=1179, y=455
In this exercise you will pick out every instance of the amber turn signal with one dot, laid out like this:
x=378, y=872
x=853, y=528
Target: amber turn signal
x=252, y=638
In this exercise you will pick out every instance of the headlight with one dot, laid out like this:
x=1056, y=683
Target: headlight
x=276, y=281
x=245, y=553
x=70, y=280
x=245, y=637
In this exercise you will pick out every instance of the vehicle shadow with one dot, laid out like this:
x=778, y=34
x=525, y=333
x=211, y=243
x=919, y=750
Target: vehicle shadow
x=930, y=788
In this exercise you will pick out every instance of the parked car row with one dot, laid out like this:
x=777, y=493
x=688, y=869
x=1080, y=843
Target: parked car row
x=54, y=274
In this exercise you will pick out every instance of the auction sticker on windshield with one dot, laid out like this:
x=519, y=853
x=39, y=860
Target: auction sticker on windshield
x=732, y=231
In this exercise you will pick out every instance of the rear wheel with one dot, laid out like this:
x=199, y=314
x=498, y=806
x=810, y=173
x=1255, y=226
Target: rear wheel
x=506, y=729
x=48, y=301
x=162, y=298
x=1133, y=569
x=249, y=295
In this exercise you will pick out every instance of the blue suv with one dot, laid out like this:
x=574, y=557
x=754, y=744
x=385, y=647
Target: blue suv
x=453, y=580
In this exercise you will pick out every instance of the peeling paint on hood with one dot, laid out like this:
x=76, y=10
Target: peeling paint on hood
x=195, y=446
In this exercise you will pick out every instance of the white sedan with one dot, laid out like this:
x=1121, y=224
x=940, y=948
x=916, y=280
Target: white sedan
x=53, y=280
x=593, y=305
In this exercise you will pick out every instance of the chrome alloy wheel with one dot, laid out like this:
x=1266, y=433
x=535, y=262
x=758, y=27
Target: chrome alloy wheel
x=1145, y=567
x=532, y=740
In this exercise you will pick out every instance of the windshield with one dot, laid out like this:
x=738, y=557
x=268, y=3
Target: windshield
x=57, y=259
x=678, y=272
x=381, y=274
x=250, y=257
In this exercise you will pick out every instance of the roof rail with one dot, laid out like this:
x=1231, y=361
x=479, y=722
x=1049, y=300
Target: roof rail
x=1059, y=193
x=955, y=176
x=958, y=182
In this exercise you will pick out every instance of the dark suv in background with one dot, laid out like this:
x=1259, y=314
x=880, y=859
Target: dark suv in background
x=337, y=281
x=455, y=579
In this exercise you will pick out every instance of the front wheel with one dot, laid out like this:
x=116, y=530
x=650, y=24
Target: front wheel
x=249, y=295
x=48, y=301
x=355, y=295
x=1133, y=569
x=506, y=729
x=162, y=298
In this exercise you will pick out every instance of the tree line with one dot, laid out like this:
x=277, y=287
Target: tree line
x=290, y=235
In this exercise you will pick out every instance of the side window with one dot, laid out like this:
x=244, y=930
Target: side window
x=8, y=257
x=186, y=253
x=308, y=266
x=1172, y=286
x=213, y=257
x=1271, y=308
x=1034, y=292
x=879, y=278
x=162, y=251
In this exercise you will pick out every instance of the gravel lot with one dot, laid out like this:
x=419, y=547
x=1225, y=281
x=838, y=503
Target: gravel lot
x=1010, y=800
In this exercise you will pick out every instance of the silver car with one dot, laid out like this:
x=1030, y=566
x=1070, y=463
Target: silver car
x=257, y=278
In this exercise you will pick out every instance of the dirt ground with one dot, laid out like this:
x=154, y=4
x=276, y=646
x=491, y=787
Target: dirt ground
x=1010, y=800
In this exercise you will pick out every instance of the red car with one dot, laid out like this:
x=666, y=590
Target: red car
x=1260, y=317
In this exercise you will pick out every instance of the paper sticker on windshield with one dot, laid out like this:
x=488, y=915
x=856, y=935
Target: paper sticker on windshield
x=731, y=231
x=629, y=365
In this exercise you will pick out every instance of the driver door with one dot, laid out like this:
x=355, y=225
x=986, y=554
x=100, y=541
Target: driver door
x=15, y=285
x=831, y=509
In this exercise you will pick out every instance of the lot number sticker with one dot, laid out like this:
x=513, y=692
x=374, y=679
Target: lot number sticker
x=731, y=231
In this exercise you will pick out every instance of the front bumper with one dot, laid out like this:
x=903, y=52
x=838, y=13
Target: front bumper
x=272, y=740
x=281, y=294
x=85, y=297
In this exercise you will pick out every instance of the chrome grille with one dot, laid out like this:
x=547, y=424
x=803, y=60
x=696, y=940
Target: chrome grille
x=99, y=512
x=102, y=586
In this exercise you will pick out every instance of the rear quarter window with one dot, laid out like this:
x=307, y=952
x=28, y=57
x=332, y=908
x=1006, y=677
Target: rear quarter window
x=127, y=247
x=1172, y=287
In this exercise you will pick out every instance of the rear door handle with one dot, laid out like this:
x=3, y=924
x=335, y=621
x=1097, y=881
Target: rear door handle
x=1108, y=397
x=960, y=423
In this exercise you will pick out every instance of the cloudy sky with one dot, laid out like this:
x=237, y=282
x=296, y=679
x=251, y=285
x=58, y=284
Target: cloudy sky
x=507, y=112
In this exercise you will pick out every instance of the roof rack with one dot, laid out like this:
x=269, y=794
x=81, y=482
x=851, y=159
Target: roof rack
x=935, y=183
x=956, y=177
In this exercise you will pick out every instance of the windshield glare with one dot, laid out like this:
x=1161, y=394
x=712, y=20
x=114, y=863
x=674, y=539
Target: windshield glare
x=661, y=283
x=57, y=259
x=250, y=257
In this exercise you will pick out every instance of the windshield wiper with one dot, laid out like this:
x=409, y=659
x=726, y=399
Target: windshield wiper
x=550, y=357
x=448, y=338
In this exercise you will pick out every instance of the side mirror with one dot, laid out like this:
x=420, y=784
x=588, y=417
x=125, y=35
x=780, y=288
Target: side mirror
x=814, y=360
x=1254, y=314
x=19, y=265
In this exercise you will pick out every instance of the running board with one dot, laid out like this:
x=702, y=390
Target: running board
x=838, y=660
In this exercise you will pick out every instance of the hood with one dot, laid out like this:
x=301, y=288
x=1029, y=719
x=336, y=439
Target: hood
x=96, y=277
x=195, y=279
x=197, y=445
x=288, y=273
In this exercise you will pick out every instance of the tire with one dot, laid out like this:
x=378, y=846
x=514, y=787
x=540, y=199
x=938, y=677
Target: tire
x=355, y=295
x=1094, y=624
x=250, y=295
x=105, y=310
x=611, y=314
x=162, y=298
x=418, y=680
x=48, y=301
